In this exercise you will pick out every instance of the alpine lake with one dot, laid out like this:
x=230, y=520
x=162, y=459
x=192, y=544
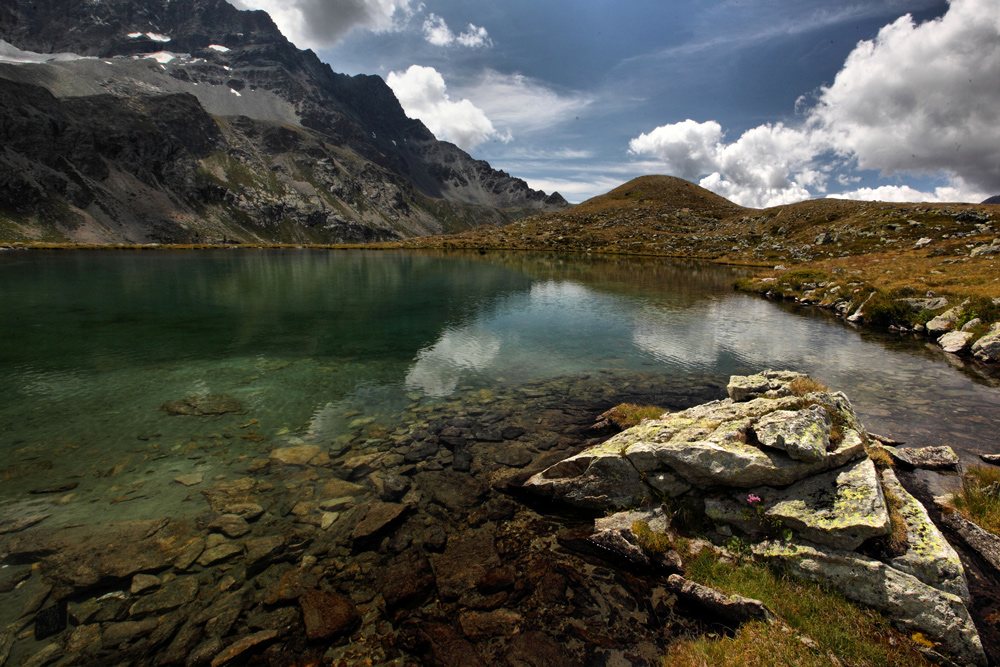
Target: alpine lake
x=373, y=410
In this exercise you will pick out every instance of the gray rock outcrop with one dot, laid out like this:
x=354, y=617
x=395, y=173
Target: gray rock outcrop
x=767, y=462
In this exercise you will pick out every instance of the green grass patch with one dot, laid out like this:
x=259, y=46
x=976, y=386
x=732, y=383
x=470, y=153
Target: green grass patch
x=800, y=277
x=979, y=500
x=855, y=635
x=885, y=309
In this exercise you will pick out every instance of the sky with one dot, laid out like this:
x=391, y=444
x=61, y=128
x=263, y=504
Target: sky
x=765, y=102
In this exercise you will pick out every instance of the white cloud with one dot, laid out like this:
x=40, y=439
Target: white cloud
x=437, y=32
x=922, y=98
x=524, y=104
x=423, y=94
x=769, y=165
x=918, y=99
x=322, y=23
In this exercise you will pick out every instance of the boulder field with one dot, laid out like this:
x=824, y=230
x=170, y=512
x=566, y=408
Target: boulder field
x=783, y=464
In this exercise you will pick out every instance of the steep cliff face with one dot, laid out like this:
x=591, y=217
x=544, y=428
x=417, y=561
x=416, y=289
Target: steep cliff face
x=207, y=122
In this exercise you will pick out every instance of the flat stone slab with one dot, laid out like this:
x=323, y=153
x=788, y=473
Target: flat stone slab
x=927, y=458
x=841, y=508
x=733, y=609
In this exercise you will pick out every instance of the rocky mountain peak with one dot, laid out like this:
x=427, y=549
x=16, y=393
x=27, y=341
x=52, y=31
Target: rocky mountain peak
x=286, y=117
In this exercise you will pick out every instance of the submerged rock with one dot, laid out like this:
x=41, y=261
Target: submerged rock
x=203, y=405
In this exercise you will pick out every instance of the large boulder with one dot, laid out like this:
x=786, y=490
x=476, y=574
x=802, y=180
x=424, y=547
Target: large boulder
x=928, y=556
x=987, y=348
x=907, y=601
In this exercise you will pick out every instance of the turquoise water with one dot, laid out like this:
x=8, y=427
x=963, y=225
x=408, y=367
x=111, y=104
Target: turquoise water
x=310, y=342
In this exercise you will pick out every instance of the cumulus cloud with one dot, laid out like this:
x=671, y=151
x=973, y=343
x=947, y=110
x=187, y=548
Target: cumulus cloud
x=437, y=32
x=423, y=94
x=769, y=165
x=917, y=99
x=922, y=98
x=322, y=23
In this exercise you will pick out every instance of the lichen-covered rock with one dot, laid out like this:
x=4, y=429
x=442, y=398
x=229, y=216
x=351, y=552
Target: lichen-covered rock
x=928, y=557
x=711, y=445
x=987, y=348
x=804, y=435
x=906, y=600
x=769, y=384
x=841, y=508
x=944, y=322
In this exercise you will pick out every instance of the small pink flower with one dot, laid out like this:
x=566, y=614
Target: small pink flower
x=752, y=499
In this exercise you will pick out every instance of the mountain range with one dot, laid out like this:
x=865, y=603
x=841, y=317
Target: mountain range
x=180, y=121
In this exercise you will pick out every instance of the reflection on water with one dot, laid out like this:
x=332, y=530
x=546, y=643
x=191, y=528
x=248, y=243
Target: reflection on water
x=309, y=342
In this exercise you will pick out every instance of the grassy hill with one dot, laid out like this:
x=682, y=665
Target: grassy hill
x=889, y=246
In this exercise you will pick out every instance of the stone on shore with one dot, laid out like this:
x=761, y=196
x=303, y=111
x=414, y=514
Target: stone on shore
x=955, y=342
x=987, y=348
x=616, y=536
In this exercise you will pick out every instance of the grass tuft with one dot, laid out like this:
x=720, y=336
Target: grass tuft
x=979, y=500
x=881, y=458
x=627, y=415
x=657, y=543
x=806, y=385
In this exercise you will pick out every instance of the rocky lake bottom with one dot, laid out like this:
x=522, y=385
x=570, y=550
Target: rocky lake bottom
x=209, y=498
